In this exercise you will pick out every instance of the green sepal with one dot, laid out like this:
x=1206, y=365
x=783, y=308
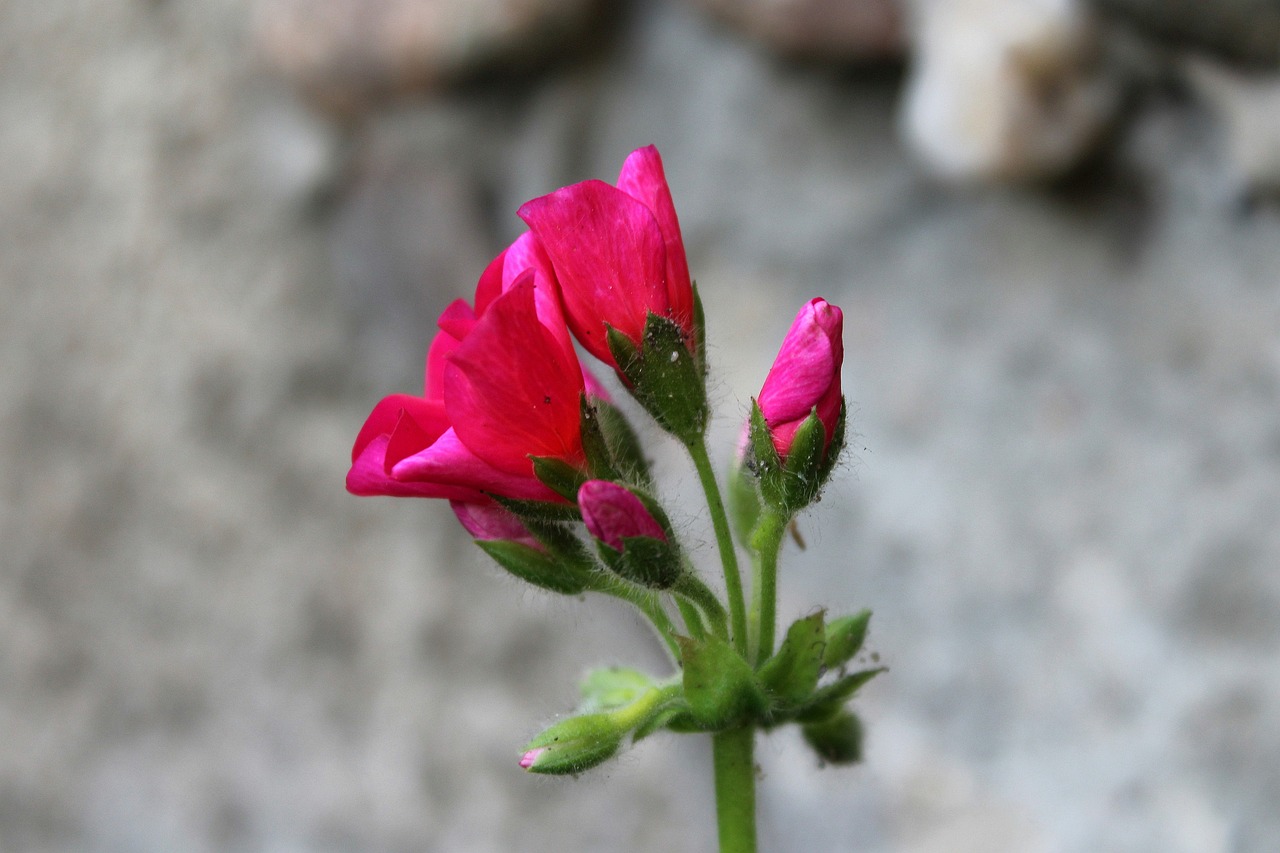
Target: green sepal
x=790, y=485
x=600, y=461
x=558, y=476
x=576, y=744
x=644, y=560
x=623, y=443
x=836, y=447
x=664, y=377
x=844, y=638
x=764, y=461
x=719, y=686
x=790, y=676
x=828, y=700
x=699, y=331
x=837, y=740
x=541, y=510
x=805, y=460
x=743, y=496
x=537, y=567
x=613, y=687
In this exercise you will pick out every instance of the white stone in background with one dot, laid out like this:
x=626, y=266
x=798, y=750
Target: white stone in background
x=1248, y=105
x=1005, y=89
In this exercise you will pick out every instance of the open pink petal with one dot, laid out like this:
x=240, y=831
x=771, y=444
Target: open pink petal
x=643, y=178
x=449, y=462
x=511, y=390
x=368, y=477
x=609, y=257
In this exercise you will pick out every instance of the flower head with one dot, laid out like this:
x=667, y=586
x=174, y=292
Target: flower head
x=805, y=376
x=613, y=514
x=617, y=253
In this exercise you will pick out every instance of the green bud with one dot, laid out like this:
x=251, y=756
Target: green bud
x=573, y=745
x=719, y=685
x=664, y=377
x=645, y=561
x=837, y=740
x=613, y=687
x=828, y=700
x=844, y=639
x=791, y=675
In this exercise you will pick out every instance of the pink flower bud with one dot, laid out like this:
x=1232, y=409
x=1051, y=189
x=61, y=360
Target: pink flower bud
x=491, y=521
x=526, y=760
x=805, y=375
x=613, y=513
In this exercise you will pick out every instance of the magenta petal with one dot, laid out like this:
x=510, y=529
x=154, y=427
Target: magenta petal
x=807, y=364
x=613, y=513
x=609, y=258
x=642, y=177
x=381, y=422
x=368, y=477
x=511, y=390
x=448, y=462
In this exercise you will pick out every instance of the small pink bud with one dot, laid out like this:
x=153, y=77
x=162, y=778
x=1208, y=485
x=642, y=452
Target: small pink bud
x=613, y=513
x=526, y=760
x=805, y=375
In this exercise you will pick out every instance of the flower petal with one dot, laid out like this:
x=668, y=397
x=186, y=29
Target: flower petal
x=609, y=257
x=511, y=391
x=642, y=177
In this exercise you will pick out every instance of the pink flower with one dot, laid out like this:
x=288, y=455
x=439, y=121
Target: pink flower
x=617, y=253
x=613, y=513
x=502, y=382
x=806, y=375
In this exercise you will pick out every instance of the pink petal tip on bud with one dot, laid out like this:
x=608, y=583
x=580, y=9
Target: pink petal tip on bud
x=527, y=760
x=806, y=374
x=613, y=513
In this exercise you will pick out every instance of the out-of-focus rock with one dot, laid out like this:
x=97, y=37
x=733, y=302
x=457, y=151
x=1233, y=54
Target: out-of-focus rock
x=1245, y=31
x=1248, y=106
x=848, y=30
x=344, y=54
x=1006, y=89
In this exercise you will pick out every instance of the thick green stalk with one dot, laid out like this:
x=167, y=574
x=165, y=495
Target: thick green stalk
x=732, y=755
x=728, y=558
x=766, y=541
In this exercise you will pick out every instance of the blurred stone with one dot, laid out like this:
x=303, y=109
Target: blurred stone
x=1242, y=30
x=1248, y=105
x=823, y=29
x=344, y=53
x=1006, y=89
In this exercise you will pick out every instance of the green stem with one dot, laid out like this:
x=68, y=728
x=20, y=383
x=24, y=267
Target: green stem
x=766, y=541
x=692, y=621
x=735, y=789
x=647, y=603
x=690, y=588
x=728, y=559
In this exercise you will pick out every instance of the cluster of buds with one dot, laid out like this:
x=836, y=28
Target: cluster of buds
x=546, y=473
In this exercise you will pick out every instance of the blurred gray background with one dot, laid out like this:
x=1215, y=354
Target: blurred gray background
x=220, y=245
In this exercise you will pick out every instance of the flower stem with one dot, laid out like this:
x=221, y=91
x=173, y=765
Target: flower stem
x=728, y=558
x=766, y=541
x=647, y=603
x=688, y=587
x=735, y=789
x=692, y=620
